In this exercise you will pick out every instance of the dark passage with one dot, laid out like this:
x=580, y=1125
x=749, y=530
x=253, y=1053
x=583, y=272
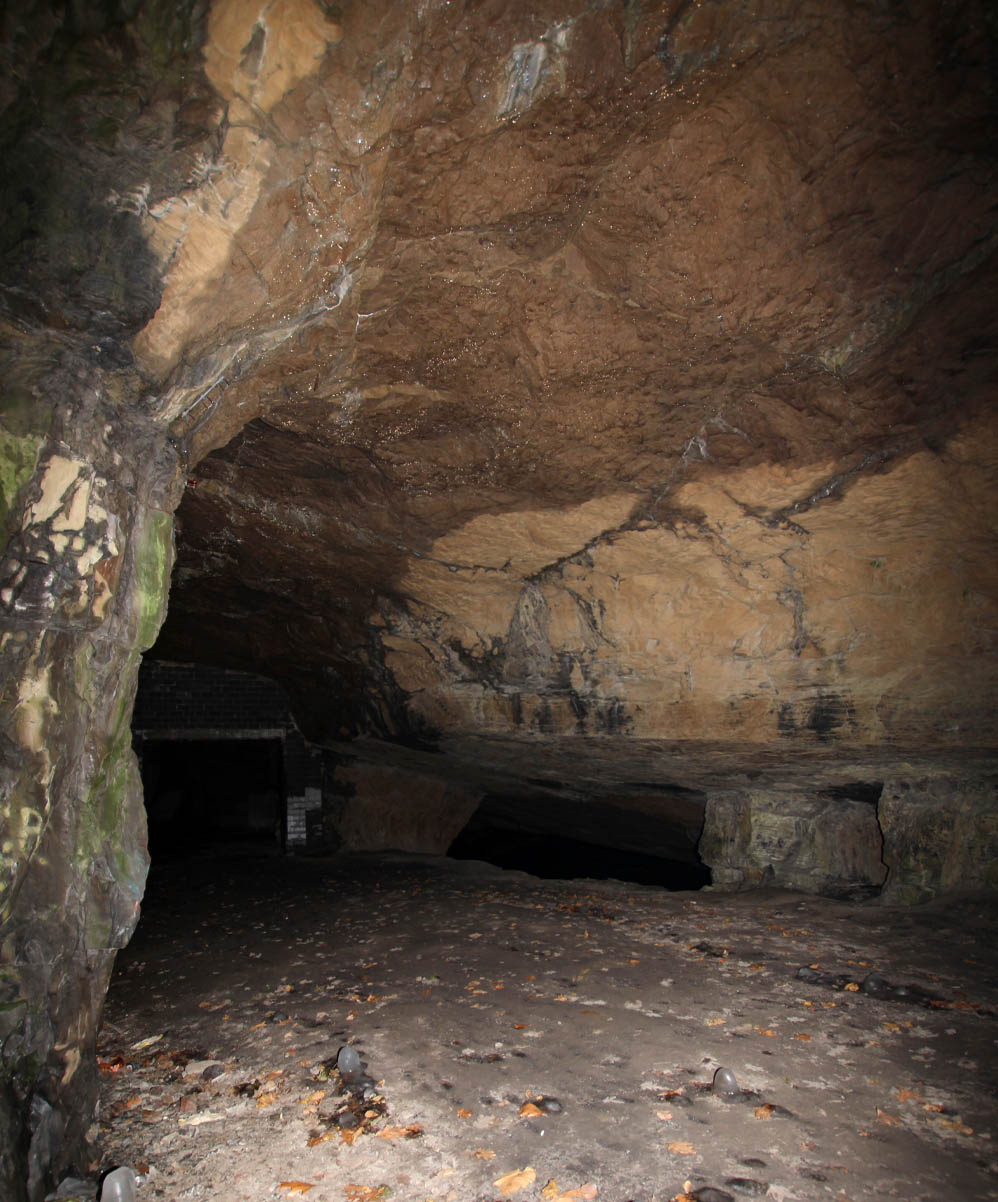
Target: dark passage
x=209, y=791
x=553, y=857
x=649, y=836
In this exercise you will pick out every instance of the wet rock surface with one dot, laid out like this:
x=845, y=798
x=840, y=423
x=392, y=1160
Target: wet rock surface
x=574, y=1029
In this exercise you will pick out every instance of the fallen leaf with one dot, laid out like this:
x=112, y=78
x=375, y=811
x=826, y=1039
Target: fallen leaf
x=767, y=1031
x=764, y=1111
x=550, y=1190
x=198, y=1120
x=852, y=987
x=464, y=1114
x=519, y=1026
x=529, y=1110
x=413, y=1131
x=956, y=1125
x=297, y=1187
x=582, y=1193
x=891, y=1120
x=365, y=1193
x=906, y=1095
x=664, y=1115
x=321, y=1139
x=680, y=1147
x=484, y=1154
x=891, y=1026
x=756, y=967
x=146, y=1043
x=802, y=1037
x=314, y=1098
x=349, y=1135
x=715, y=1022
x=266, y=1099
x=511, y=1183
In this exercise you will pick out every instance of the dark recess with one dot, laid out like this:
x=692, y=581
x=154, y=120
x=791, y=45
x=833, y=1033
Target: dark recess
x=201, y=792
x=553, y=857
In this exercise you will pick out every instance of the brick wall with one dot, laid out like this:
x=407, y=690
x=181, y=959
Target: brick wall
x=197, y=697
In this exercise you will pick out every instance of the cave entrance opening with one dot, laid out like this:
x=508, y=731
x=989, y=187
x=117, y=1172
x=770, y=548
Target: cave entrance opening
x=555, y=840
x=203, y=793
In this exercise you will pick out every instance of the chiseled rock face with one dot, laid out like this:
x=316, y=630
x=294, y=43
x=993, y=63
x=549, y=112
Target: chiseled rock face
x=593, y=400
x=579, y=371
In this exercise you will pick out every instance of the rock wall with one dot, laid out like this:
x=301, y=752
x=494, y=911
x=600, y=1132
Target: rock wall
x=592, y=395
x=370, y=808
x=940, y=837
x=83, y=583
x=817, y=845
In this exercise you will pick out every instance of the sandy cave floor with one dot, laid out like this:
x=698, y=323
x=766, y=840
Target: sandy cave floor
x=542, y=1040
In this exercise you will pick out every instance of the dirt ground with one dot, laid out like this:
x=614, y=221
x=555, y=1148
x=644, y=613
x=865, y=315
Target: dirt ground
x=543, y=1040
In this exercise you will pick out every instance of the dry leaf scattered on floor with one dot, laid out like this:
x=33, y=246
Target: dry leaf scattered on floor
x=511, y=1183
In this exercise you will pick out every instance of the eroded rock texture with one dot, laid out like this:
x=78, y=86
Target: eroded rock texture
x=588, y=404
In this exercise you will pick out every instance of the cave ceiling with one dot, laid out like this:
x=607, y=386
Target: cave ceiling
x=564, y=382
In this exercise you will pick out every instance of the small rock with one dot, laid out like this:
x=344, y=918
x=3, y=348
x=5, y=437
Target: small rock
x=118, y=1186
x=877, y=986
x=748, y=1185
x=725, y=1083
x=348, y=1061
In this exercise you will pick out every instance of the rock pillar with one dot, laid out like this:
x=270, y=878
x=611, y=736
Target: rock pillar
x=88, y=494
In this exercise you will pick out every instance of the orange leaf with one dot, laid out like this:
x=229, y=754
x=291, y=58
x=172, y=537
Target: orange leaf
x=770, y=1034
x=715, y=1022
x=680, y=1147
x=519, y=1026
x=511, y=1183
x=664, y=1115
x=529, y=1110
x=582, y=1193
x=905, y=1095
x=314, y=1098
x=297, y=1187
x=802, y=1037
x=321, y=1139
x=484, y=1154
x=464, y=1114
x=891, y=1120
x=413, y=1131
x=764, y=1111
x=852, y=987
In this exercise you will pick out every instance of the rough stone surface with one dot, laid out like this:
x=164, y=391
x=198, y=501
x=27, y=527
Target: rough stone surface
x=940, y=837
x=597, y=394
x=382, y=809
x=816, y=845
x=82, y=588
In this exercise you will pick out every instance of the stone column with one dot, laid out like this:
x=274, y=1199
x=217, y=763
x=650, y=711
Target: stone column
x=89, y=487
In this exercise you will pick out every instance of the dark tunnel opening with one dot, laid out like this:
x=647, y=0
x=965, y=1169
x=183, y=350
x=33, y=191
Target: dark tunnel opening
x=538, y=846
x=205, y=793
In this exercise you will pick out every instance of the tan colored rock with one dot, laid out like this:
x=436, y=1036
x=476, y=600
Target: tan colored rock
x=390, y=810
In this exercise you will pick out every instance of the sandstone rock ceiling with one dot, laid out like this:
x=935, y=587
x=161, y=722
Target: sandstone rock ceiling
x=612, y=377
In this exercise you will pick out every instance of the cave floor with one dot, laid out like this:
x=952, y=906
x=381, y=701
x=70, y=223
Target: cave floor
x=541, y=1039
